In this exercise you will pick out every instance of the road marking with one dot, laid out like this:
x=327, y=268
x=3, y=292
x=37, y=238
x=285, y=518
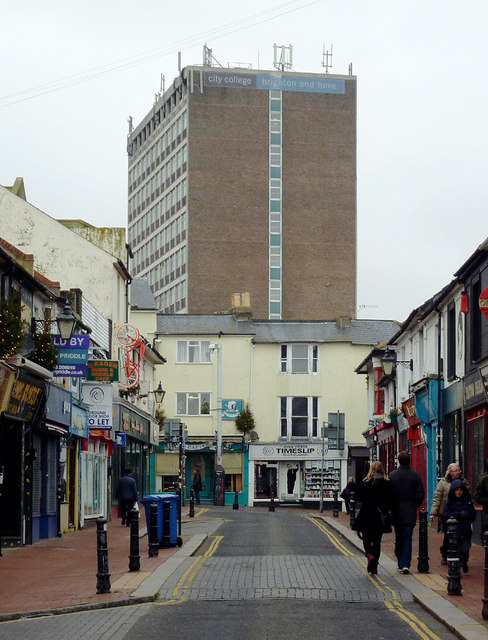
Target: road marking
x=395, y=605
x=335, y=541
x=179, y=592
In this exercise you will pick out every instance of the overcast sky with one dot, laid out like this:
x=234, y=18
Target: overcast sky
x=73, y=72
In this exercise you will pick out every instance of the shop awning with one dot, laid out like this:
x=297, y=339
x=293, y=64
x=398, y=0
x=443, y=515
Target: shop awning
x=232, y=463
x=167, y=464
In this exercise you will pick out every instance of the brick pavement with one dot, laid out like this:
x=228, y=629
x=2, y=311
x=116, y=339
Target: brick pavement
x=470, y=602
x=60, y=573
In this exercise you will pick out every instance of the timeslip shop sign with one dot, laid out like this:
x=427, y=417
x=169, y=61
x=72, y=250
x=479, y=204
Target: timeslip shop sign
x=72, y=356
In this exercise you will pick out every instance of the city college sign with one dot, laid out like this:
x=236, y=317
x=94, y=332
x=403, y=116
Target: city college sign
x=278, y=451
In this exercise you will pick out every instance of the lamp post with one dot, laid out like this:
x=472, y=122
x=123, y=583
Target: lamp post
x=325, y=448
x=219, y=469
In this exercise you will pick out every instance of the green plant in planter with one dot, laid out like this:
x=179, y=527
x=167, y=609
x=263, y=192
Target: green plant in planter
x=12, y=328
x=245, y=421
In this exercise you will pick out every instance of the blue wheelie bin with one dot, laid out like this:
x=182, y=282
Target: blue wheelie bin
x=159, y=499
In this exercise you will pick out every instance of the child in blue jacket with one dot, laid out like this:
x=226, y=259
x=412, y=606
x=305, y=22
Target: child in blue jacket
x=460, y=506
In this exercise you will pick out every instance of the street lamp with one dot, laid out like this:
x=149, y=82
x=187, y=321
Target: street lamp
x=66, y=321
x=389, y=361
x=159, y=394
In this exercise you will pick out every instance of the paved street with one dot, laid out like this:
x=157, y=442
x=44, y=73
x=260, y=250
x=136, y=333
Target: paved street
x=259, y=574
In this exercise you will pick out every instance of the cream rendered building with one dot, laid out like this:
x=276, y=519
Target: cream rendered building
x=294, y=375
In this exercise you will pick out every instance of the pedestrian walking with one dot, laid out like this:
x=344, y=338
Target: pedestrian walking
x=439, y=500
x=481, y=496
x=373, y=519
x=197, y=485
x=346, y=492
x=408, y=494
x=460, y=506
x=126, y=494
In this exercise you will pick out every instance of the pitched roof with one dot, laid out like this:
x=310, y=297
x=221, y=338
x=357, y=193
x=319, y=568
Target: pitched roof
x=368, y=332
x=141, y=295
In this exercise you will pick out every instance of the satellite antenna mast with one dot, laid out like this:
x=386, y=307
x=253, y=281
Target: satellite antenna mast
x=208, y=59
x=283, y=57
x=327, y=59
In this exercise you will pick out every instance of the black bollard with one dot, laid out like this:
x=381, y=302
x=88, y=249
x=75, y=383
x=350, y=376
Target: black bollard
x=134, y=557
x=192, y=504
x=166, y=541
x=236, y=500
x=484, y=612
x=153, y=551
x=272, y=504
x=454, y=587
x=103, y=576
x=335, y=512
x=352, y=508
x=423, y=557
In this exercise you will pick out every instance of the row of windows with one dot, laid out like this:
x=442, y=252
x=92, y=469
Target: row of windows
x=173, y=299
x=299, y=358
x=159, y=182
x=299, y=416
x=275, y=197
x=167, y=236
x=159, y=149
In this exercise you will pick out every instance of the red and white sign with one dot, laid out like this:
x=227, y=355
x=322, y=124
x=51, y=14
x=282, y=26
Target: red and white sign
x=483, y=302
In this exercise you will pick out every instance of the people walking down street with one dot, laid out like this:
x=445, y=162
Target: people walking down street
x=346, y=492
x=376, y=495
x=480, y=494
x=439, y=499
x=197, y=485
x=126, y=494
x=460, y=506
x=408, y=492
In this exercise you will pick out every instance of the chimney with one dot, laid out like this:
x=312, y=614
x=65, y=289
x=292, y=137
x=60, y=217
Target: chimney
x=241, y=306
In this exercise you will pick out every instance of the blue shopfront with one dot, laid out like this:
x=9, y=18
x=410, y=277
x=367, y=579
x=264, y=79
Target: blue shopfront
x=47, y=473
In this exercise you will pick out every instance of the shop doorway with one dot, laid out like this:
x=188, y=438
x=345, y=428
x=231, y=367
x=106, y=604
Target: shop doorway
x=290, y=482
x=204, y=464
x=265, y=480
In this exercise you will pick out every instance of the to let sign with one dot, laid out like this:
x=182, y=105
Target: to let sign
x=103, y=370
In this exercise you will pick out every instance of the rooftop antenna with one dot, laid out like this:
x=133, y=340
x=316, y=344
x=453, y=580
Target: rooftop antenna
x=162, y=85
x=283, y=57
x=131, y=126
x=327, y=59
x=208, y=59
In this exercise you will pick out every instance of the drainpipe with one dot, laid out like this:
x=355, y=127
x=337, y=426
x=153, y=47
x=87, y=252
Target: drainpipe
x=440, y=420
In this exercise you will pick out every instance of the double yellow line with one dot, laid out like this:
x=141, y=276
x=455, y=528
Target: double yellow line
x=394, y=605
x=184, y=583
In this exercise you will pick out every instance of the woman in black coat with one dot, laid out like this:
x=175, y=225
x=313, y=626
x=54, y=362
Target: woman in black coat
x=376, y=495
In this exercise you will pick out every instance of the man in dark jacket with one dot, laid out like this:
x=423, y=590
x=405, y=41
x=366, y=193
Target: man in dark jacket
x=408, y=491
x=127, y=495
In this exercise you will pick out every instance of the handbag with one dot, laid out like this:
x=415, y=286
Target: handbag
x=385, y=521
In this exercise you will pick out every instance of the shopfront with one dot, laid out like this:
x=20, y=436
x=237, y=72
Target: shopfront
x=294, y=473
x=20, y=457
x=134, y=453
x=476, y=430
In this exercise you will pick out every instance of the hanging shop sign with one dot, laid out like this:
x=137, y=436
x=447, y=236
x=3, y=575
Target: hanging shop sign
x=120, y=439
x=72, y=356
x=79, y=421
x=483, y=302
x=58, y=405
x=98, y=397
x=103, y=370
x=231, y=409
x=25, y=398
